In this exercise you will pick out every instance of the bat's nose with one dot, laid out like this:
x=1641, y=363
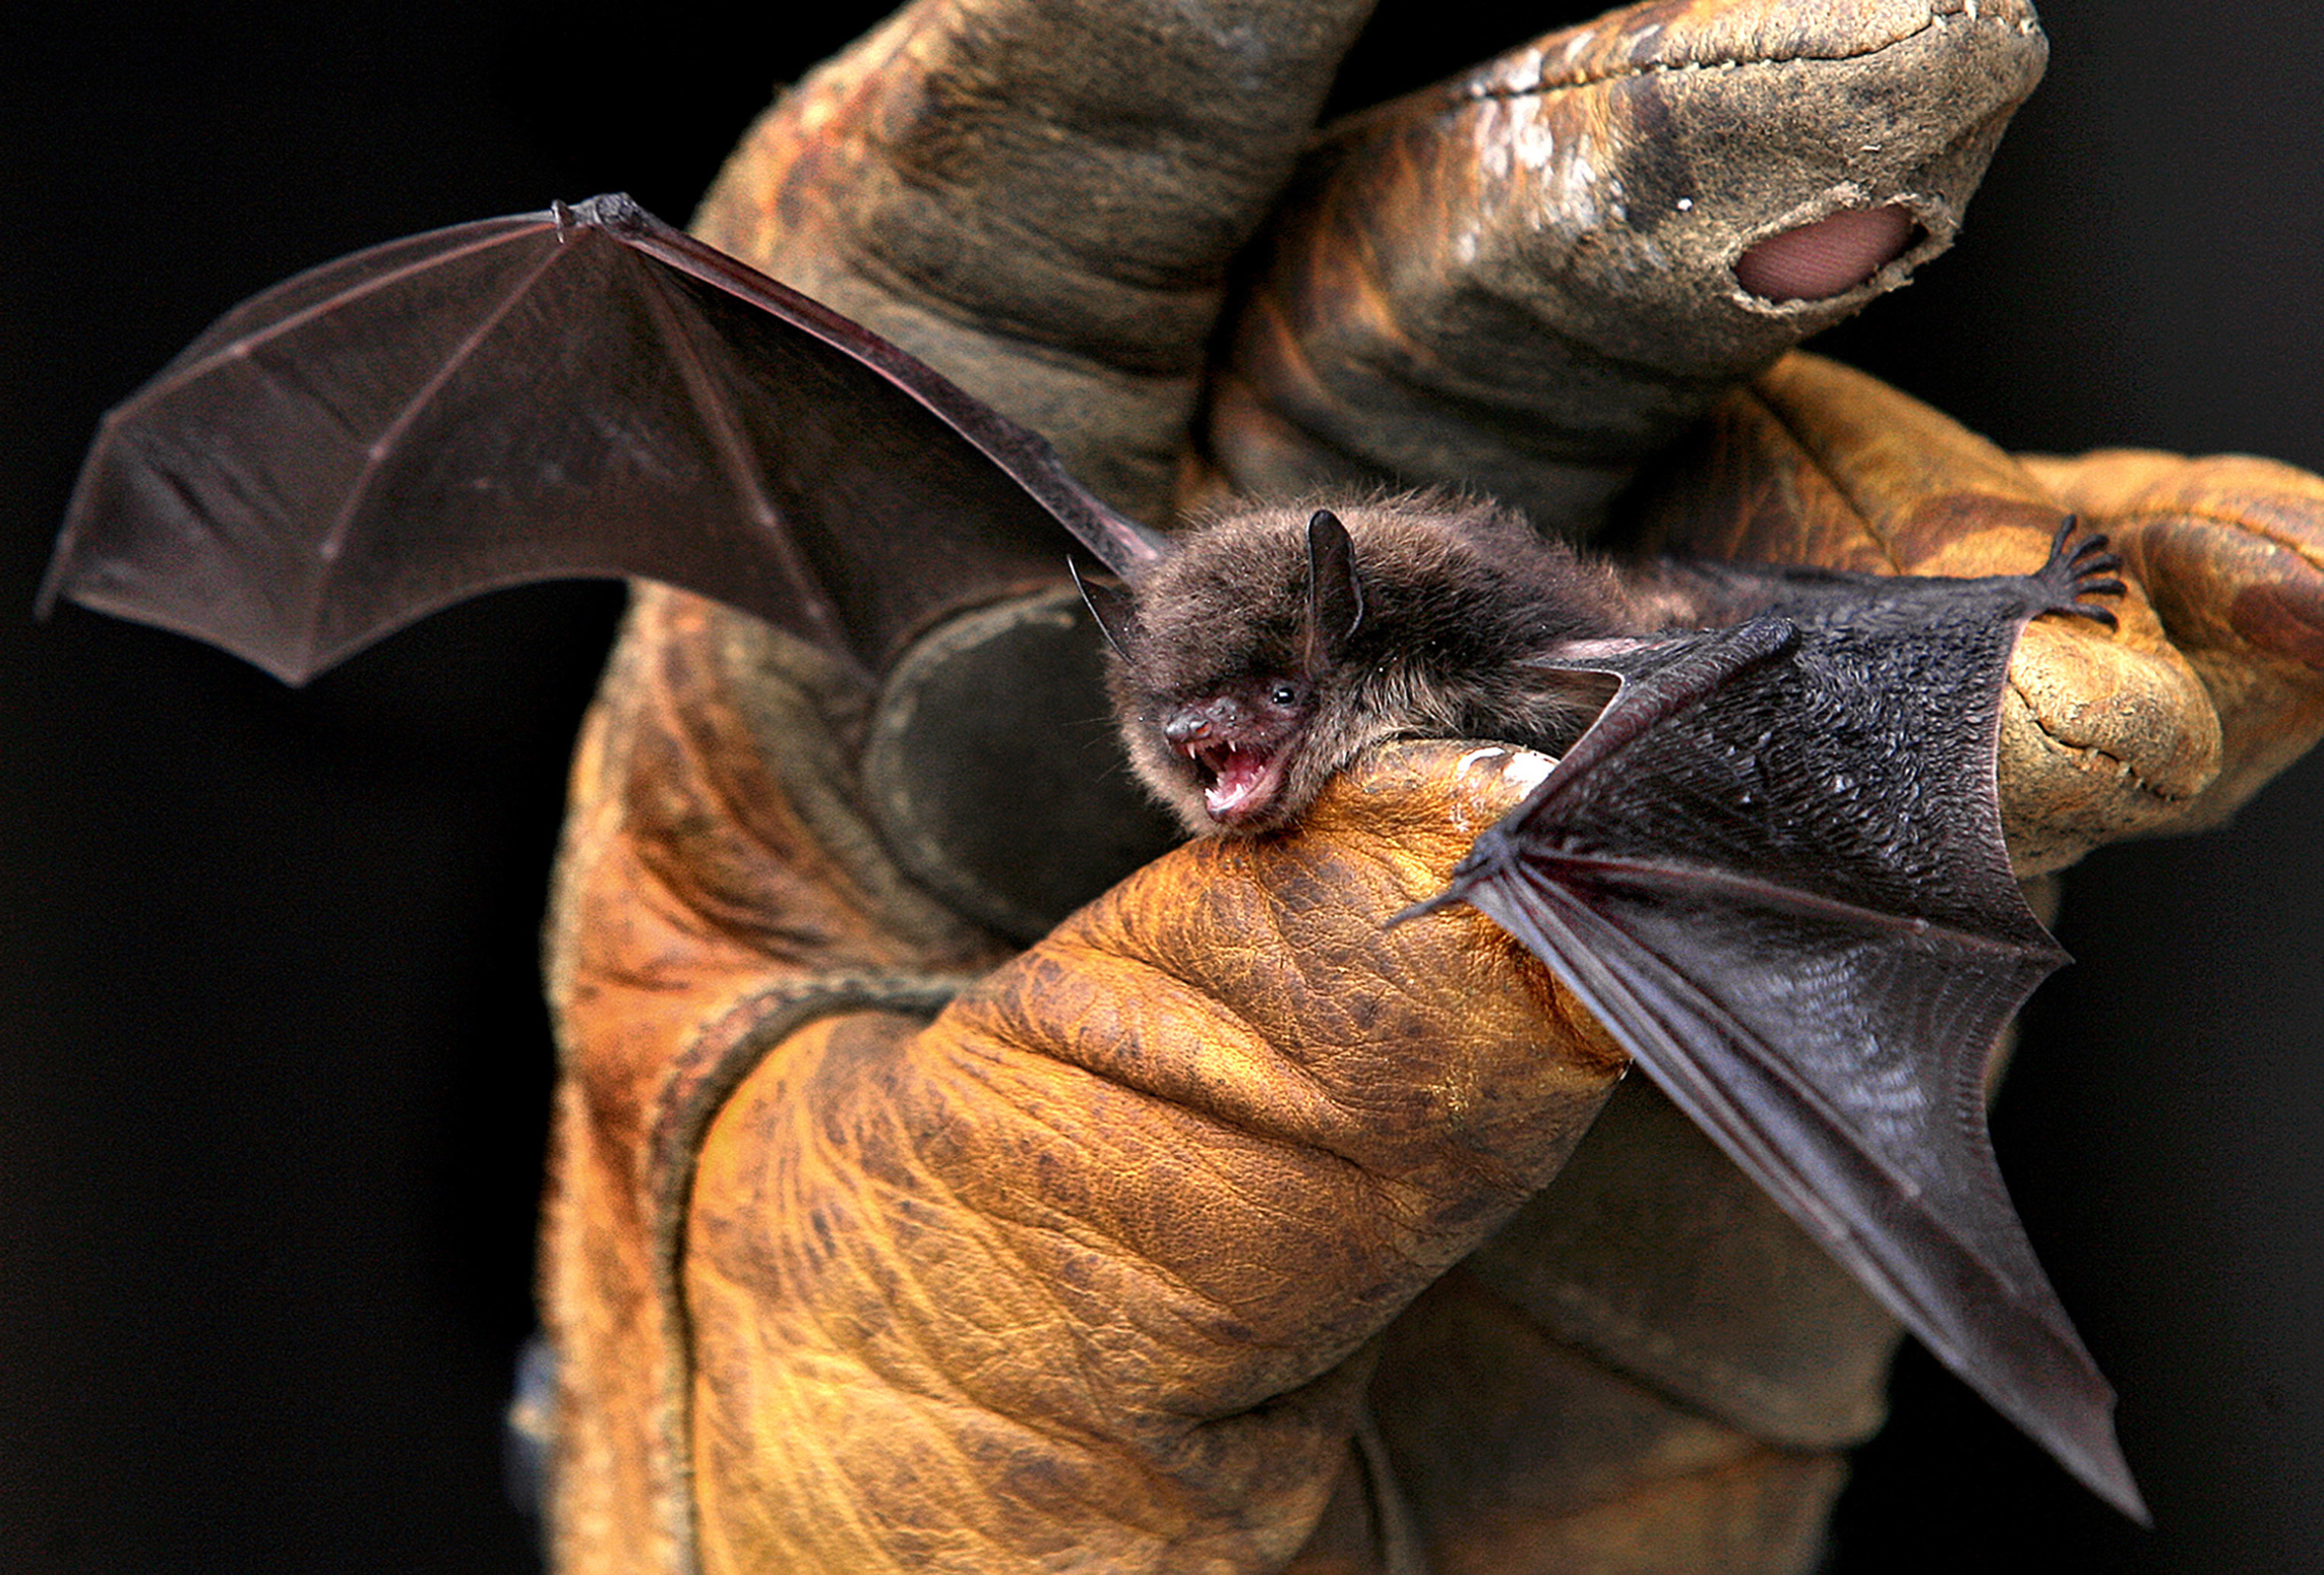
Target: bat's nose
x=1193, y=724
x=1186, y=724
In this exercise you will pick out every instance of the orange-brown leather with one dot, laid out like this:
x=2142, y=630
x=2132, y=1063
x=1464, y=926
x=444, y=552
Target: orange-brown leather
x=1225, y=1228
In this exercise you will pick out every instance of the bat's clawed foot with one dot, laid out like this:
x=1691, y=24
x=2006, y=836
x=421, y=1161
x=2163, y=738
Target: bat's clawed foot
x=2079, y=566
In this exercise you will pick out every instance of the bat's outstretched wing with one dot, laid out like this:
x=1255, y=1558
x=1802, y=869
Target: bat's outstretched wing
x=578, y=393
x=1774, y=868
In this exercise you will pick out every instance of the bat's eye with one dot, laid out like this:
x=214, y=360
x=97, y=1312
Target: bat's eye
x=1283, y=694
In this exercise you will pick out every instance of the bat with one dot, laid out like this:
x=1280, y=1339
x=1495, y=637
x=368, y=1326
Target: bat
x=1769, y=856
x=1771, y=863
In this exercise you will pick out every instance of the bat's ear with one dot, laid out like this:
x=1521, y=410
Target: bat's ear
x=1111, y=607
x=1335, y=597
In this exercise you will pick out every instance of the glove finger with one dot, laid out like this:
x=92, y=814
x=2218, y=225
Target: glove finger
x=2103, y=736
x=1117, y=1227
x=2231, y=549
x=1041, y=198
x=1532, y=276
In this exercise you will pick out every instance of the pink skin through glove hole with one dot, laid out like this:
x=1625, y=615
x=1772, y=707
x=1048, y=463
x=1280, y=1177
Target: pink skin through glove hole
x=1828, y=257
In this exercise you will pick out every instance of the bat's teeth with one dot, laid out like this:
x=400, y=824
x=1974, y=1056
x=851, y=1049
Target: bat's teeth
x=1243, y=784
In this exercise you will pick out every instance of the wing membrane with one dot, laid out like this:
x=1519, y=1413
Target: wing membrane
x=584, y=392
x=1820, y=990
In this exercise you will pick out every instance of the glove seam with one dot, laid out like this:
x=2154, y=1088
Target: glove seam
x=697, y=1083
x=1685, y=1377
x=2239, y=524
x=1544, y=87
x=1781, y=416
x=2123, y=770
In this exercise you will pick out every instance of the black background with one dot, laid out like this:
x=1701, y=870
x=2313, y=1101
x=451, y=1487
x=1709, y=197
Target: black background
x=272, y=1070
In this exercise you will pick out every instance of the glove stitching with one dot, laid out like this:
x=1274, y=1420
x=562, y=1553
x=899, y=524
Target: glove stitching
x=2123, y=769
x=1486, y=92
x=1832, y=478
x=696, y=1085
x=1619, y=1341
x=2308, y=552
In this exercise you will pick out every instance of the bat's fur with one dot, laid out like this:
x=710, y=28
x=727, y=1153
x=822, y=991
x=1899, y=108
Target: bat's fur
x=1461, y=599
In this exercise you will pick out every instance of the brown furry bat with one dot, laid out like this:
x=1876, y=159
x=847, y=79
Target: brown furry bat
x=1259, y=659
x=1769, y=859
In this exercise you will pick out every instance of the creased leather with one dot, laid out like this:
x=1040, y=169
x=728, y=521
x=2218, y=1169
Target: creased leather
x=1147, y=1252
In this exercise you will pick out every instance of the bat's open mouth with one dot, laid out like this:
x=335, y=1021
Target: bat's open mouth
x=1237, y=784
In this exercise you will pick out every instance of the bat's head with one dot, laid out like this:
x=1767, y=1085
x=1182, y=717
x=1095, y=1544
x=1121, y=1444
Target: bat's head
x=1222, y=670
x=1274, y=646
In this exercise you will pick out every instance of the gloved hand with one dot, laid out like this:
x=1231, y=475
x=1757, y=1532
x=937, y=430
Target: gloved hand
x=1211, y=1232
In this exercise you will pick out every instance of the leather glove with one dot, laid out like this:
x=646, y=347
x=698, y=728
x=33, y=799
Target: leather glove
x=1199, y=1235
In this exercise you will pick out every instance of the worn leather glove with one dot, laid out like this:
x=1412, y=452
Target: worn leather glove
x=1216, y=1230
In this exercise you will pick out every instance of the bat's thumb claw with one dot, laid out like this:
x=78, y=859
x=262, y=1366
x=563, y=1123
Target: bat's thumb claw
x=1455, y=893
